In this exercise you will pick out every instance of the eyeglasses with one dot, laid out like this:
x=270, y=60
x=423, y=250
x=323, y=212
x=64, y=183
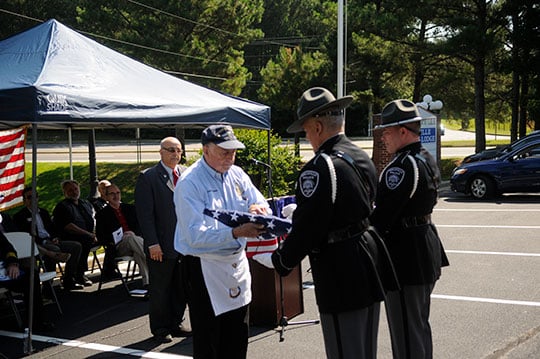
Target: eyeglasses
x=113, y=193
x=172, y=149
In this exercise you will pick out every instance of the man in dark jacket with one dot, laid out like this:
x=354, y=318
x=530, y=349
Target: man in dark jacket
x=117, y=228
x=74, y=219
x=334, y=195
x=406, y=195
x=155, y=212
x=47, y=238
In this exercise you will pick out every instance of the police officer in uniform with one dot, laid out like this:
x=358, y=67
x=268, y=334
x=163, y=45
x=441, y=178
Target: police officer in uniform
x=334, y=195
x=406, y=195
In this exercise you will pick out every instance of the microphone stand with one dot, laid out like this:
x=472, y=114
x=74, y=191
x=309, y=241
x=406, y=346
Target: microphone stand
x=283, y=321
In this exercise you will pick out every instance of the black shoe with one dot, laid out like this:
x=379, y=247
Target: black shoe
x=181, y=332
x=70, y=285
x=84, y=281
x=163, y=338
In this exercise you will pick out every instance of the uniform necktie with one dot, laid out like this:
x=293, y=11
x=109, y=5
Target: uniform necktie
x=175, y=176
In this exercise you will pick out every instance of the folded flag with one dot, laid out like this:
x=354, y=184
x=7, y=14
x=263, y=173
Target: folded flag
x=275, y=226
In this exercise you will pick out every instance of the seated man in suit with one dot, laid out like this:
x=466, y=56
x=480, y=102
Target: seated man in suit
x=47, y=240
x=117, y=227
x=74, y=219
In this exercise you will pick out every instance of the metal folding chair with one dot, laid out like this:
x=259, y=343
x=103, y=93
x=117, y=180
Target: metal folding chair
x=21, y=242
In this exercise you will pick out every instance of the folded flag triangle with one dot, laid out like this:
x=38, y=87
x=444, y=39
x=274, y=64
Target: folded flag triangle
x=275, y=226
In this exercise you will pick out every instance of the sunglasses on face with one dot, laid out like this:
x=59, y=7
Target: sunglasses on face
x=172, y=149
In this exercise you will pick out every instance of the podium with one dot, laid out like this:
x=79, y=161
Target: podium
x=265, y=307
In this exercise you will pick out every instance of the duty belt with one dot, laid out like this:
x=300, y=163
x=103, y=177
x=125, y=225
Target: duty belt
x=415, y=221
x=348, y=232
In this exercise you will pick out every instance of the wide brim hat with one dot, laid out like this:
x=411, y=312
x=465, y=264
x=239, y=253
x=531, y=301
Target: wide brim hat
x=398, y=112
x=223, y=136
x=313, y=102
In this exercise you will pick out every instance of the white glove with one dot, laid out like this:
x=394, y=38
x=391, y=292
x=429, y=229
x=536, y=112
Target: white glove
x=265, y=259
x=288, y=210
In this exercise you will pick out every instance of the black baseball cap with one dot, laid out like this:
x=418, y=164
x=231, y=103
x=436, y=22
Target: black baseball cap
x=223, y=136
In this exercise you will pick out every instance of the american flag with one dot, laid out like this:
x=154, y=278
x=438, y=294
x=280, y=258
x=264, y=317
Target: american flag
x=275, y=226
x=12, y=145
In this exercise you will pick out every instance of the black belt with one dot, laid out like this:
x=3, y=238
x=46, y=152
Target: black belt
x=348, y=232
x=415, y=221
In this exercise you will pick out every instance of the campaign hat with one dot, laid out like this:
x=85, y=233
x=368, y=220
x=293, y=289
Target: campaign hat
x=398, y=112
x=316, y=101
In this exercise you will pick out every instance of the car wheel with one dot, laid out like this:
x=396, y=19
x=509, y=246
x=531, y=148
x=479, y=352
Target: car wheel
x=481, y=187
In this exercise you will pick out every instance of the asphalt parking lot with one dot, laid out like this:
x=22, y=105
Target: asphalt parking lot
x=486, y=305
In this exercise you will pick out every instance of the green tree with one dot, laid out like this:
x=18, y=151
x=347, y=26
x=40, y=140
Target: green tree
x=199, y=40
x=286, y=78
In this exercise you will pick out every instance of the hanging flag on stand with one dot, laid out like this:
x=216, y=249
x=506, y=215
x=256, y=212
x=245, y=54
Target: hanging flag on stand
x=12, y=146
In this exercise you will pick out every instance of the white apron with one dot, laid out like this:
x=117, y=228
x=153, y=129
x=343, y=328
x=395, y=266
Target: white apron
x=227, y=280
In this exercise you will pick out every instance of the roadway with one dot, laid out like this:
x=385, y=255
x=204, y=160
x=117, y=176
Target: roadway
x=149, y=150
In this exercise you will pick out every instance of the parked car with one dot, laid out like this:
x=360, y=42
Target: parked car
x=517, y=170
x=501, y=150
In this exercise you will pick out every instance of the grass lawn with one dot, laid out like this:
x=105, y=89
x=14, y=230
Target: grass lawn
x=51, y=174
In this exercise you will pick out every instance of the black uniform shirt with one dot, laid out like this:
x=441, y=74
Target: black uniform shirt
x=342, y=280
x=407, y=187
x=407, y=192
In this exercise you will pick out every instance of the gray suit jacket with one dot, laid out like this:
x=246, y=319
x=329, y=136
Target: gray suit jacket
x=155, y=209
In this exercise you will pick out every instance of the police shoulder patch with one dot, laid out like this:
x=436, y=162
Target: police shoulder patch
x=393, y=177
x=309, y=181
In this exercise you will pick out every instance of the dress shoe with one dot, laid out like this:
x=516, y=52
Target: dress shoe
x=84, y=281
x=167, y=338
x=181, y=331
x=71, y=285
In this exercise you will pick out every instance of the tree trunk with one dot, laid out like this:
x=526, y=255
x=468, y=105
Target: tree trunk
x=523, y=104
x=479, y=104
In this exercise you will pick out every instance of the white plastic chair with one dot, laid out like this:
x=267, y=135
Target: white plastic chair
x=21, y=242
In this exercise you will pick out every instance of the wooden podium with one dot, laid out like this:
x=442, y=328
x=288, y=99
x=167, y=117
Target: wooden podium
x=265, y=307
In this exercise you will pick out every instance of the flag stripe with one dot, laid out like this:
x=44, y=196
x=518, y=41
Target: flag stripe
x=12, y=180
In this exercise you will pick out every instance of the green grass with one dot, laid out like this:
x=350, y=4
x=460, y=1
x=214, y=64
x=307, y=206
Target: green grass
x=51, y=174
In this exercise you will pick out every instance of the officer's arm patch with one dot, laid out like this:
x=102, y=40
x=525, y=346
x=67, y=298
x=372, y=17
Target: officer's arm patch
x=308, y=182
x=394, y=176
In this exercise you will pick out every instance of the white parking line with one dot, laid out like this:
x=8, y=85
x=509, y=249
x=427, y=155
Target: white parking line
x=494, y=253
x=96, y=346
x=485, y=210
x=483, y=226
x=486, y=300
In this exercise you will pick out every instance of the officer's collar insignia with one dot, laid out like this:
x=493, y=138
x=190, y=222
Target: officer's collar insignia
x=394, y=177
x=308, y=182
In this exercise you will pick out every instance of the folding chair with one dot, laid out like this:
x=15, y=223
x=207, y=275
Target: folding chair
x=13, y=305
x=21, y=242
x=122, y=277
